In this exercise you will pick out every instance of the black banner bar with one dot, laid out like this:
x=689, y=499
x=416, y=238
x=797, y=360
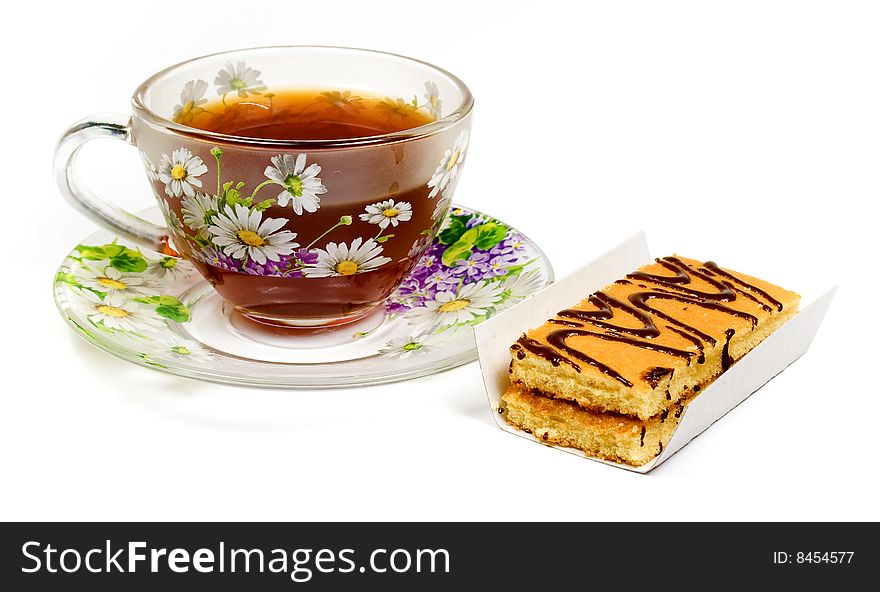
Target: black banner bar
x=104, y=556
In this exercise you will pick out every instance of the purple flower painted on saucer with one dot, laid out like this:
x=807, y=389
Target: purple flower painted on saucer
x=499, y=266
x=474, y=267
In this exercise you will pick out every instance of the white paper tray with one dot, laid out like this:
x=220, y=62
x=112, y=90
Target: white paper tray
x=773, y=355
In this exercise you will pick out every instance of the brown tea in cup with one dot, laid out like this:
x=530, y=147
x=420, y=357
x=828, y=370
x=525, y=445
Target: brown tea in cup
x=318, y=115
x=308, y=114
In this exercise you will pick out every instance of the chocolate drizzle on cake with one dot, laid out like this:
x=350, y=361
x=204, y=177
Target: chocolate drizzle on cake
x=613, y=315
x=604, y=303
x=656, y=374
x=679, y=353
x=548, y=353
x=726, y=359
x=683, y=276
x=557, y=340
x=701, y=358
x=713, y=267
x=640, y=299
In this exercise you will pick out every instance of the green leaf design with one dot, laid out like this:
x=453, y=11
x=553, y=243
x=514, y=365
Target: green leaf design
x=66, y=278
x=232, y=194
x=470, y=235
x=91, y=253
x=121, y=257
x=457, y=227
x=168, y=307
x=485, y=236
x=453, y=253
x=129, y=260
x=489, y=235
x=384, y=239
x=264, y=205
x=177, y=313
x=163, y=300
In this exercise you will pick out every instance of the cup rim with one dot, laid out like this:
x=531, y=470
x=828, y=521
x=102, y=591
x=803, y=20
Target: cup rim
x=427, y=129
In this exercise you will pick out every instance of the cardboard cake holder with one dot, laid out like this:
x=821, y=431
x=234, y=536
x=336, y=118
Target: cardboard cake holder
x=731, y=388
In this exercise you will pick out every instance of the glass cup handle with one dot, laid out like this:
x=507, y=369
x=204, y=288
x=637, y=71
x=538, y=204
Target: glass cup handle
x=107, y=215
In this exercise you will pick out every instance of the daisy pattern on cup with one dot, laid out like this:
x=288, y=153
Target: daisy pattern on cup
x=450, y=165
x=117, y=313
x=238, y=78
x=180, y=172
x=342, y=100
x=397, y=107
x=419, y=246
x=170, y=216
x=441, y=209
x=243, y=235
x=197, y=210
x=432, y=97
x=341, y=259
x=387, y=212
x=192, y=97
x=149, y=167
x=301, y=184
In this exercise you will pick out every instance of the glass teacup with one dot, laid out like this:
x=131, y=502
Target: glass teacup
x=298, y=231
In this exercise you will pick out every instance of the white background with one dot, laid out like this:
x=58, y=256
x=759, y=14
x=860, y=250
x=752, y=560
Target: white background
x=745, y=132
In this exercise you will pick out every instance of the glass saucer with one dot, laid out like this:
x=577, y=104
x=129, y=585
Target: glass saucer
x=158, y=312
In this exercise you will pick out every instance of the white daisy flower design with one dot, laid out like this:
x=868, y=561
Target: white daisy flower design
x=432, y=98
x=243, y=234
x=419, y=246
x=387, y=212
x=112, y=281
x=451, y=308
x=117, y=313
x=238, y=78
x=197, y=210
x=340, y=259
x=179, y=172
x=301, y=183
x=149, y=167
x=177, y=348
x=523, y=284
x=191, y=97
x=441, y=209
x=405, y=347
x=450, y=166
x=170, y=216
x=169, y=269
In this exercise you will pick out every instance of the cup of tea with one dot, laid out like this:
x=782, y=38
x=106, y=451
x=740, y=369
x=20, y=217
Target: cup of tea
x=304, y=183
